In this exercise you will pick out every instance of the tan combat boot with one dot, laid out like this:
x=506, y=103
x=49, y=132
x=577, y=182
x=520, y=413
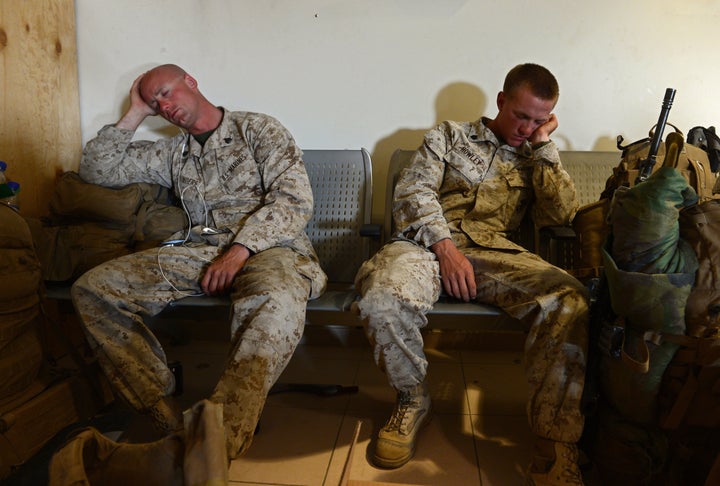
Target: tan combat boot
x=554, y=464
x=396, y=440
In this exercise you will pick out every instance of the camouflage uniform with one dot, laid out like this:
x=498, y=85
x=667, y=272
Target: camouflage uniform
x=464, y=184
x=249, y=183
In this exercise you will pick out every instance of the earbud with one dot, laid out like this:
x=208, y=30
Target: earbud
x=185, y=147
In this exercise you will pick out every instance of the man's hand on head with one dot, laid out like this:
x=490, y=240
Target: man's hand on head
x=542, y=133
x=138, y=111
x=222, y=271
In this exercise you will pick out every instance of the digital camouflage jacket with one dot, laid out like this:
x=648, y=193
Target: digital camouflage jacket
x=465, y=184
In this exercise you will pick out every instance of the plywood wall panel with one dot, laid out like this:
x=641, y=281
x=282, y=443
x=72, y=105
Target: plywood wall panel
x=39, y=109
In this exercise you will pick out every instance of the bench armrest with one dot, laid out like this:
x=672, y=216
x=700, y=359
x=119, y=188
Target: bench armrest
x=556, y=245
x=371, y=230
x=557, y=233
x=375, y=233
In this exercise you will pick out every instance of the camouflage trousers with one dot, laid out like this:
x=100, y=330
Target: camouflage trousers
x=269, y=297
x=400, y=284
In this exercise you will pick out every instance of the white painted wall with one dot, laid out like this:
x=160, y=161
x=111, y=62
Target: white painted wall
x=379, y=73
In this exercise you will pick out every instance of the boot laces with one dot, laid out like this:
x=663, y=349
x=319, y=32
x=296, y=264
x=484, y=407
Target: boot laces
x=570, y=470
x=400, y=417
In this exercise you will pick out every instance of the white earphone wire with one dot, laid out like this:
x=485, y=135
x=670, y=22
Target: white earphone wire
x=162, y=272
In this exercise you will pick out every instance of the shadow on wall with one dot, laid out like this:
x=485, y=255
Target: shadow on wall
x=458, y=101
x=605, y=144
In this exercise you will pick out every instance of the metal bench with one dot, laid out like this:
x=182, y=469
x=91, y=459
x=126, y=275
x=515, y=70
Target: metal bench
x=344, y=237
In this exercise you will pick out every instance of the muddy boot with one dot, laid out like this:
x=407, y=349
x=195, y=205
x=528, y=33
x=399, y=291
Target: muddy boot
x=554, y=464
x=92, y=458
x=205, y=456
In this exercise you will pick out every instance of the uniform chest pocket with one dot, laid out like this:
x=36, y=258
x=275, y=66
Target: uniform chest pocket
x=462, y=173
x=519, y=193
x=188, y=175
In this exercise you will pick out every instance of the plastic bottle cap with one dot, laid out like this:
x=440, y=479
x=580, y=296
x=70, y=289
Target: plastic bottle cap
x=14, y=186
x=3, y=166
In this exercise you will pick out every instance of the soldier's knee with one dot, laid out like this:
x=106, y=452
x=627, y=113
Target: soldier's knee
x=378, y=301
x=573, y=288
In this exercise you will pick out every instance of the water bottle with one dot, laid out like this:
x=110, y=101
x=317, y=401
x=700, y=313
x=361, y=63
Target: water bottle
x=8, y=190
x=9, y=194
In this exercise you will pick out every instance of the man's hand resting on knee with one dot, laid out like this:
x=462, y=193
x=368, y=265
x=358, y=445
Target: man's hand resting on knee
x=222, y=271
x=458, y=276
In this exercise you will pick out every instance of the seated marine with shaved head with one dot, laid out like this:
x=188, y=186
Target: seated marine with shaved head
x=241, y=179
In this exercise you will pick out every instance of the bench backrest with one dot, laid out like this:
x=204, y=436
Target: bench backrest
x=589, y=171
x=342, y=188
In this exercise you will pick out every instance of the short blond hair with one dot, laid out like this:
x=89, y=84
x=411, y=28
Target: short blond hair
x=539, y=79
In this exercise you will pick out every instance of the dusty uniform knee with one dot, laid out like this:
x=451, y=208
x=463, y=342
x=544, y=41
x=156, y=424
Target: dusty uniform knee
x=88, y=291
x=570, y=292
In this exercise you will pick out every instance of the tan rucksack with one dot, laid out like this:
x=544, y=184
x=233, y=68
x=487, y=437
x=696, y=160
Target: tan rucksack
x=90, y=224
x=693, y=164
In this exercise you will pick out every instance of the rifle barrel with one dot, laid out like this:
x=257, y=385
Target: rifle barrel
x=647, y=167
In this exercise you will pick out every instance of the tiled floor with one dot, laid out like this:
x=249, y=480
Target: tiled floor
x=478, y=434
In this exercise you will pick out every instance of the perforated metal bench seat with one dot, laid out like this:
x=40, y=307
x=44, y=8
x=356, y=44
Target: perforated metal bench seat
x=342, y=300
x=334, y=307
x=331, y=300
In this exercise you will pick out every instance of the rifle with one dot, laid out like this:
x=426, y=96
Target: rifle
x=646, y=166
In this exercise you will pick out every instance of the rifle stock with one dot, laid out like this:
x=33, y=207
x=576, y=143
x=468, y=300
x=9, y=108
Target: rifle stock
x=647, y=165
